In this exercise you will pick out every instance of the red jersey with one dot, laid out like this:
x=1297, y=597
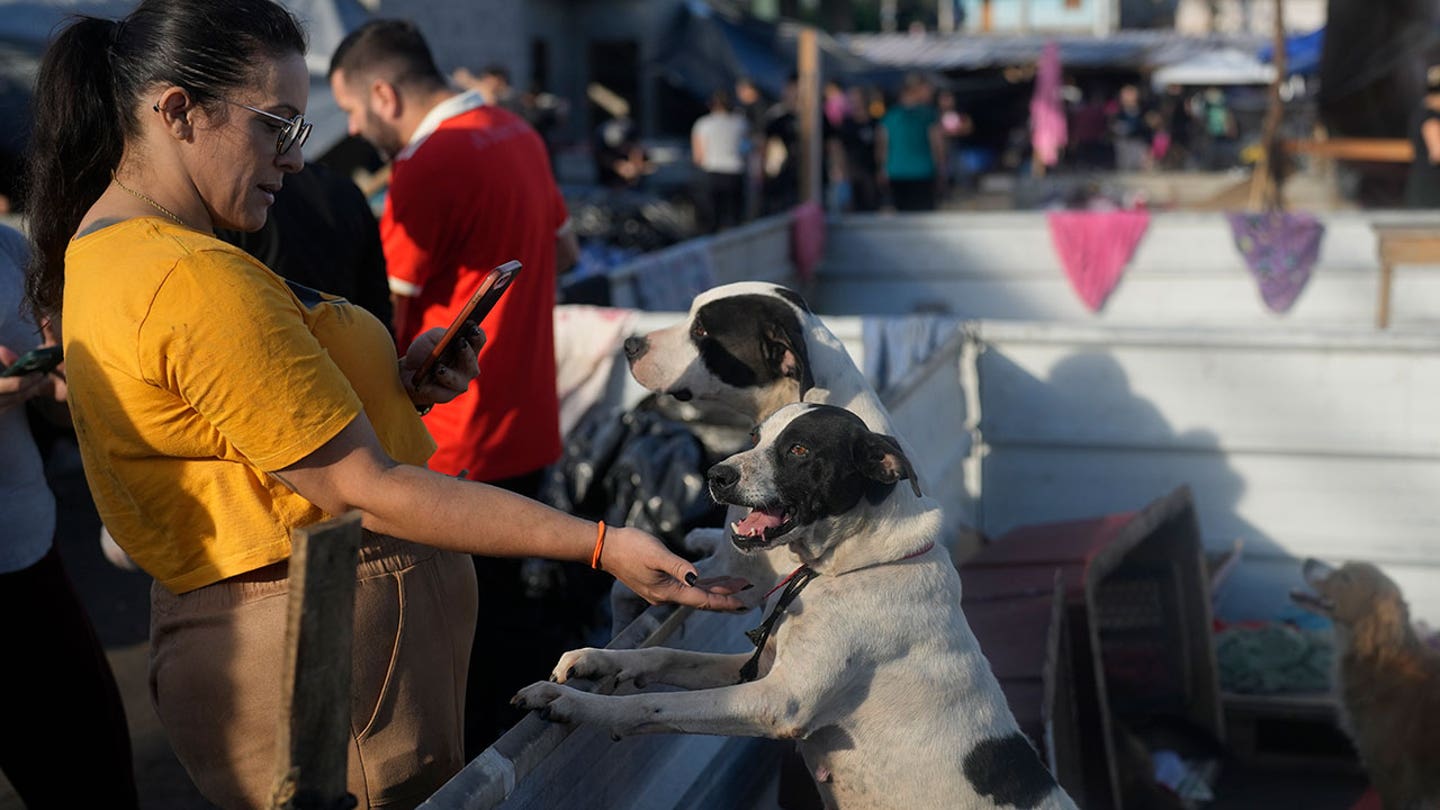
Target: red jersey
x=472, y=191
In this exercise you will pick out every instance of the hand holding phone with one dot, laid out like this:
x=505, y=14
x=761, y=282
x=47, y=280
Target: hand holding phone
x=42, y=360
x=467, y=321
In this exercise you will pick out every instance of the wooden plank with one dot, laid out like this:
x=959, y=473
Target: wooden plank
x=1401, y=245
x=315, y=700
x=811, y=140
x=1370, y=150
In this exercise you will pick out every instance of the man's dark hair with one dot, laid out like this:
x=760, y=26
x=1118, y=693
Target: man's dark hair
x=498, y=71
x=395, y=46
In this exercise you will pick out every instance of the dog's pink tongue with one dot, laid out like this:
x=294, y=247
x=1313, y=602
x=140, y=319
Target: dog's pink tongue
x=759, y=520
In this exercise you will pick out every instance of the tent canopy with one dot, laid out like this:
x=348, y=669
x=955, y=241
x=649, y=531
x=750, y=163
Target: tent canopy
x=1302, y=52
x=710, y=47
x=1124, y=50
x=1228, y=66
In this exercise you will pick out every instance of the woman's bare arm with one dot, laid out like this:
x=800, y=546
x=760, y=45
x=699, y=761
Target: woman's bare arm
x=351, y=471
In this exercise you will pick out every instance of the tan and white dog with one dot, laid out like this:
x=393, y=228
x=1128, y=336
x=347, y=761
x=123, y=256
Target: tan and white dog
x=865, y=658
x=753, y=347
x=1387, y=680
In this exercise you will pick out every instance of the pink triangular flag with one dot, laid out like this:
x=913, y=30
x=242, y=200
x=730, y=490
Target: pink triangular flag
x=1094, y=247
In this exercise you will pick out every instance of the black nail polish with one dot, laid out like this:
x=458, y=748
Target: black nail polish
x=748, y=587
x=690, y=578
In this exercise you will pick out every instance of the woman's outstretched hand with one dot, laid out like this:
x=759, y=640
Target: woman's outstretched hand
x=645, y=565
x=451, y=376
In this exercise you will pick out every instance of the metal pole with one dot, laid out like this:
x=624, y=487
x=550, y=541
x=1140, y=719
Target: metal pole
x=945, y=16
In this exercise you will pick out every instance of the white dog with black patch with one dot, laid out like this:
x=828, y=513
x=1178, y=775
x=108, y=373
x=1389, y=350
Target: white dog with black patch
x=865, y=657
x=754, y=347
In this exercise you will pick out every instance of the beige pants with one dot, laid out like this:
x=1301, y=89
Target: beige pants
x=215, y=670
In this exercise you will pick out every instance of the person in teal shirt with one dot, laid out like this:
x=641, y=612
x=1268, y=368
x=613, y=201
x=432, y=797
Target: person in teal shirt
x=910, y=148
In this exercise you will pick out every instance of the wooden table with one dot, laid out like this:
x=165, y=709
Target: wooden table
x=1401, y=245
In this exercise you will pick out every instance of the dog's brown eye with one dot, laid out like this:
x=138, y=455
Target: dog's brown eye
x=799, y=450
x=697, y=331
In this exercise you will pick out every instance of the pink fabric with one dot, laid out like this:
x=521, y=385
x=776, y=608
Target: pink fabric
x=1094, y=247
x=1047, y=112
x=836, y=108
x=807, y=239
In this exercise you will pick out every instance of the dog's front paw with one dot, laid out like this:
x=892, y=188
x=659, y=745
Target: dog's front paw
x=704, y=542
x=551, y=701
x=609, y=668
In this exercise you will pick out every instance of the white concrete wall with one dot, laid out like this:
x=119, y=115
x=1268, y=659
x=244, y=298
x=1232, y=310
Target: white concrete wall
x=1186, y=270
x=1247, y=16
x=471, y=34
x=1305, y=444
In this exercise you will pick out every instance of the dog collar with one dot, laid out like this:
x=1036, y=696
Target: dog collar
x=793, y=585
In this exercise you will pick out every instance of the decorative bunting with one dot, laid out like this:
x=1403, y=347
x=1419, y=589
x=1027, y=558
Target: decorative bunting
x=1094, y=247
x=1281, y=250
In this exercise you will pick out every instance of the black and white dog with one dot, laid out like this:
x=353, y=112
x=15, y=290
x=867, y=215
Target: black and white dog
x=865, y=656
x=753, y=347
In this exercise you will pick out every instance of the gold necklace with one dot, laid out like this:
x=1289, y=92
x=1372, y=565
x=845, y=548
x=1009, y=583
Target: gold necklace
x=158, y=207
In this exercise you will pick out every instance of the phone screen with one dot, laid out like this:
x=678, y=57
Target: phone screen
x=495, y=283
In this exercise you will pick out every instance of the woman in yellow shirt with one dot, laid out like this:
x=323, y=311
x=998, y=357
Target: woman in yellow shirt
x=219, y=407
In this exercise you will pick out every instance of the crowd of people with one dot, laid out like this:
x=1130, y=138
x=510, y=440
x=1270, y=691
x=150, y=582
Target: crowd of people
x=875, y=154
x=1131, y=130
x=917, y=148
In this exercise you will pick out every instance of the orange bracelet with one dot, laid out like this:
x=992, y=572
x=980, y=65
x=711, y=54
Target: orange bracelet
x=599, y=545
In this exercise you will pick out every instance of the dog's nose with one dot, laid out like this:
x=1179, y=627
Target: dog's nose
x=722, y=478
x=635, y=347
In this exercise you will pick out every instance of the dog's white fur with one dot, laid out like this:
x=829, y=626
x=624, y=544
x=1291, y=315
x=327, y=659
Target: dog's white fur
x=873, y=668
x=673, y=361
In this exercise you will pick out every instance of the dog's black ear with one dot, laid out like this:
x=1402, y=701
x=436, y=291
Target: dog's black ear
x=785, y=354
x=880, y=458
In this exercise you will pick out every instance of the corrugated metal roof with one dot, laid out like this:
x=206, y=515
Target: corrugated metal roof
x=1138, y=50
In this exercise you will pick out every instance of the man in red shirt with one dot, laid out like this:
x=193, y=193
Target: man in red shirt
x=470, y=189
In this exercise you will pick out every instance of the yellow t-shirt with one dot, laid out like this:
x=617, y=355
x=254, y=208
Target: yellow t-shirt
x=193, y=370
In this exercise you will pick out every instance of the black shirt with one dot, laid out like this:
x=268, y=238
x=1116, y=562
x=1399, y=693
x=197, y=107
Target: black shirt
x=322, y=234
x=1422, y=186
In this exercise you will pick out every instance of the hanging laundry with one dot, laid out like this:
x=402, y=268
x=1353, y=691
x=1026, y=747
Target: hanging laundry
x=896, y=346
x=1048, y=131
x=588, y=343
x=1094, y=247
x=1281, y=250
x=807, y=239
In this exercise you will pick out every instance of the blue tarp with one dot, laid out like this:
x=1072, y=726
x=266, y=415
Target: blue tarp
x=1302, y=53
x=708, y=48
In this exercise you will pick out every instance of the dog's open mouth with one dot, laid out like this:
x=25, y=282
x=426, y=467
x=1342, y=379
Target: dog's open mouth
x=1311, y=602
x=762, y=527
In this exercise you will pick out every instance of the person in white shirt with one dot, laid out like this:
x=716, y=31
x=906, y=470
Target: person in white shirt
x=718, y=144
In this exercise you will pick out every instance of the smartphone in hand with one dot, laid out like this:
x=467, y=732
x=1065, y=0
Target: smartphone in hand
x=467, y=320
x=43, y=360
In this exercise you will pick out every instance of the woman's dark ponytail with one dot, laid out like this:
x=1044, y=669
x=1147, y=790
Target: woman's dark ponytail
x=75, y=144
x=91, y=84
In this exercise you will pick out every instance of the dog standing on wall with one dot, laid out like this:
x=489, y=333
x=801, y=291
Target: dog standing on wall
x=1388, y=681
x=865, y=657
x=753, y=347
